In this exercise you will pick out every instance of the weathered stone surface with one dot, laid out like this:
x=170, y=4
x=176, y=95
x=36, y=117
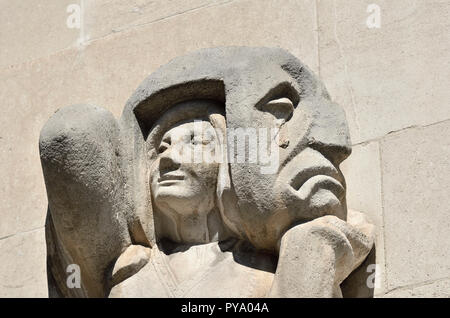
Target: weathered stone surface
x=435, y=289
x=103, y=17
x=23, y=265
x=387, y=78
x=416, y=171
x=33, y=29
x=31, y=93
x=247, y=23
x=362, y=172
x=317, y=256
x=81, y=154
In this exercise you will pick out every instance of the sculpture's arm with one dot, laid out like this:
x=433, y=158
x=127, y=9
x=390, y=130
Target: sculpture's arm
x=81, y=161
x=317, y=256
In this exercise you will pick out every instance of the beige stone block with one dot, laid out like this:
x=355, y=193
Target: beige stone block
x=102, y=17
x=416, y=174
x=23, y=265
x=435, y=289
x=391, y=77
x=30, y=93
x=362, y=173
x=117, y=64
x=32, y=29
x=279, y=23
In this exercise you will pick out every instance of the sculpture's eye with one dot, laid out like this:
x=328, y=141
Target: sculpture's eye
x=163, y=147
x=199, y=139
x=194, y=139
x=281, y=108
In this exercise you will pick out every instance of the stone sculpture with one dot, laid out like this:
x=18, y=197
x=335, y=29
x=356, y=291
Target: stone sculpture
x=221, y=179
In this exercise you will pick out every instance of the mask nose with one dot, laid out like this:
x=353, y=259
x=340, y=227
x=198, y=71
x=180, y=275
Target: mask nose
x=168, y=162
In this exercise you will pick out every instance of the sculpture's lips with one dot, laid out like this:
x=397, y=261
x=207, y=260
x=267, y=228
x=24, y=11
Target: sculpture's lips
x=313, y=179
x=170, y=177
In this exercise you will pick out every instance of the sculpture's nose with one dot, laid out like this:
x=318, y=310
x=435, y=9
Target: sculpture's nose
x=168, y=161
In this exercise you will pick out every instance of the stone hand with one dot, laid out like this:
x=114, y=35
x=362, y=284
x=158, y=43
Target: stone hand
x=315, y=257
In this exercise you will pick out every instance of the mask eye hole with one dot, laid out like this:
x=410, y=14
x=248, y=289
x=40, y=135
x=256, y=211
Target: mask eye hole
x=281, y=108
x=164, y=145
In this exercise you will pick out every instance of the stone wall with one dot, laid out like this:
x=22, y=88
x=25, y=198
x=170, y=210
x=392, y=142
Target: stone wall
x=392, y=81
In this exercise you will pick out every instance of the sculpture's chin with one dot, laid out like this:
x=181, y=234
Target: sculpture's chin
x=178, y=200
x=167, y=195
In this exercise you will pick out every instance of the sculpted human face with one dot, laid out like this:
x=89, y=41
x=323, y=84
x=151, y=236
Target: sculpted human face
x=183, y=179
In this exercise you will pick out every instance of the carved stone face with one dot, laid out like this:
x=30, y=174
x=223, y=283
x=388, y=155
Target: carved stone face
x=180, y=182
x=305, y=184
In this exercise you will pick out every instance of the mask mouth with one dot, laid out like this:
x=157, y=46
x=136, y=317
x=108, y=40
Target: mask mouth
x=311, y=180
x=170, y=179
